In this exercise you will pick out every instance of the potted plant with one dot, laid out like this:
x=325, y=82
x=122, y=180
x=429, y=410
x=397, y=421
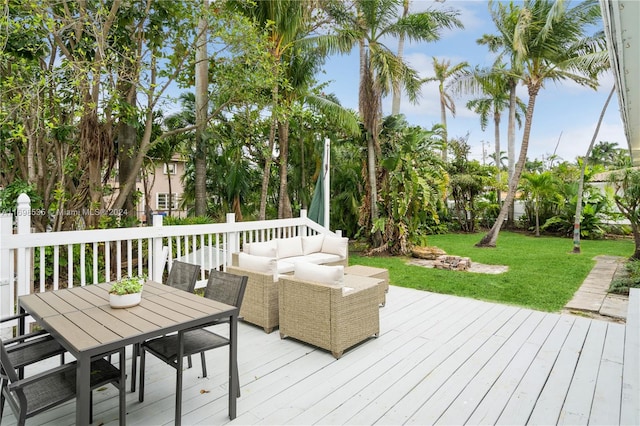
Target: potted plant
x=126, y=292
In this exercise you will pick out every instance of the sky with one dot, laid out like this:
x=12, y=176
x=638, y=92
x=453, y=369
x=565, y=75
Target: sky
x=565, y=114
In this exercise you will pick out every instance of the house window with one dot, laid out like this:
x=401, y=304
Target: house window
x=170, y=168
x=163, y=201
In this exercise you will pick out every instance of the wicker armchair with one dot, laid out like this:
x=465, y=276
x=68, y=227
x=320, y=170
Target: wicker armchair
x=260, y=303
x=330, y=317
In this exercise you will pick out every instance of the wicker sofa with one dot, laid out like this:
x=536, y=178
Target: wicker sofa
x=265, y=262
x=335, y=313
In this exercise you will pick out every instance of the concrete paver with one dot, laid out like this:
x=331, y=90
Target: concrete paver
x=592, y=296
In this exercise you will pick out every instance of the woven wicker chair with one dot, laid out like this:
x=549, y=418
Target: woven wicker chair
x=328, y=316
x=35, y=394
x=260, y=306
x=222, y=287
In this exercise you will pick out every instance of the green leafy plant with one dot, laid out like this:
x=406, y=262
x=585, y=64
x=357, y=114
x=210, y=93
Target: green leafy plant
x=129, y=285
x=629, y=278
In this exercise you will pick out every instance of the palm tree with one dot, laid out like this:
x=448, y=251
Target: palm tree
x=604, y=153
x=504, y=17
x=537, y=186
x=286, y=21
x=578, y=215
x=549, y=41
x=397, y=93
x=496, y=86
x=444, y=71
x=366, y=25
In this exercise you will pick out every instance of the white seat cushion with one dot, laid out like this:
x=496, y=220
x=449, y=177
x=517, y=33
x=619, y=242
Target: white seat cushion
x=317, y=258
x=285, y=266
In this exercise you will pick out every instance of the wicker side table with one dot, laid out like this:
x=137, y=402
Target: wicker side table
x=370, y=271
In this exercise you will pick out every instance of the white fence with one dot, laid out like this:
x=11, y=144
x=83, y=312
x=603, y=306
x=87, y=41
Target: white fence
x=37, y=262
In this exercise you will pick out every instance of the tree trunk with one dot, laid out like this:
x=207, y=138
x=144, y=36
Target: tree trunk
x=443, y=118
x=397, y=92
x=127, y=149
x=578, y=216
x=636, y=239
x=537, y=211
x=266, y=174
x=511, y=143
x=202, y=94
x=491, y=238
x=284, y=203
x=496, y=135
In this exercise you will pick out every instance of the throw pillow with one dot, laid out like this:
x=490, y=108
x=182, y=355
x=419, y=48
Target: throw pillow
x=312, y=244
x=331, y=275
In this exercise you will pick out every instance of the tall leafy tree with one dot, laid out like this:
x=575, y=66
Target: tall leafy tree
x=413, y=183
x=496, y=88
x=578, y=215
x=537, y=186
x=505, y=17
x=366, y=24
x=550, y=41
x=626, y=185
x=443, y=71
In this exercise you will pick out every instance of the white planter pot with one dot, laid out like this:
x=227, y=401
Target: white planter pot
x=124, y=300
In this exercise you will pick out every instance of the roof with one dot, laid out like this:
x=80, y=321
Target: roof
x=621, y=19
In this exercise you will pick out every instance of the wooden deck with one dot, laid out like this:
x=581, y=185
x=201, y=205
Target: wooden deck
x=439, y=360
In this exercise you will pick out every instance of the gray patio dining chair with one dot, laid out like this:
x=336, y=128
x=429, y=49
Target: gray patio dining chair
x=27, y=349
x=222, y=287
x=35, y=394
x=183, y=276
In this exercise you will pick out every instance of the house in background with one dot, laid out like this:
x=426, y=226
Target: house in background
x=161, y=189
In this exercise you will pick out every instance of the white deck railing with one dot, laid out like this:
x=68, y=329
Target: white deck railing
x=37, y=262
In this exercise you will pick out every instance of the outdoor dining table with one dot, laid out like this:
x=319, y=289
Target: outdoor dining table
x=85, y=324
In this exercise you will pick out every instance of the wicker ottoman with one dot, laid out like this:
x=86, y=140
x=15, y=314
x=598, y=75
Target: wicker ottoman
x=370, y=271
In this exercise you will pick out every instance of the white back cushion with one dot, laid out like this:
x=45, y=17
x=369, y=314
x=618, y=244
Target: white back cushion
x=336, y=245
x=266, y=249
x=312, y=243
x=266, y=265
x=332, y=275
x=289, y=247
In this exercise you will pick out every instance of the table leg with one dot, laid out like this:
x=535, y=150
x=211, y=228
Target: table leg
x=233, y=365
x=83, y=389
x=179, y=361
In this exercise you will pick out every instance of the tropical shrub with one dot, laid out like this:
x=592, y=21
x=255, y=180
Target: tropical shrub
x=630, y=278
x=412, y=183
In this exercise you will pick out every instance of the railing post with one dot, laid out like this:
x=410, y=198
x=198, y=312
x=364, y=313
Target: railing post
x=157, y=253
x=233, y=240
x=6, y=278
x=302, y=229
x=23, y=264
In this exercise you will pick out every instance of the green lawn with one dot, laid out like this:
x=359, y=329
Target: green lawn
x=543, y=273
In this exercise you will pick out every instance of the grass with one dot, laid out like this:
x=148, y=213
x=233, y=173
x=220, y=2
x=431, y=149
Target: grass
x=543, y=273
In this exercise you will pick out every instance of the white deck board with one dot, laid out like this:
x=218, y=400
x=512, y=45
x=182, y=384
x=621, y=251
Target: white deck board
x=439, y=360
